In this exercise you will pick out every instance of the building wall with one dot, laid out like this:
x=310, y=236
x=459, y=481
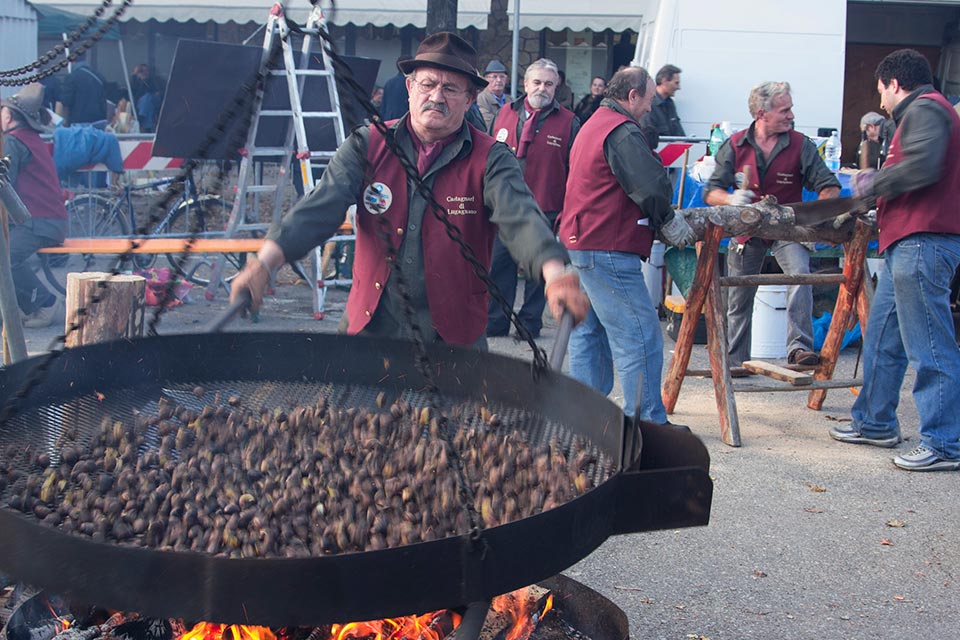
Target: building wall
x=18, y=37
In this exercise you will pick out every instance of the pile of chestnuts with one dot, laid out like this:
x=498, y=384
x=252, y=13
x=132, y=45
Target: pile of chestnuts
x=238, y=481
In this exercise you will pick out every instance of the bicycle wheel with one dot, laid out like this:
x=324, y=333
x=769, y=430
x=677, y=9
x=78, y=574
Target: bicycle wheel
x=208, y=213
x=94, y=216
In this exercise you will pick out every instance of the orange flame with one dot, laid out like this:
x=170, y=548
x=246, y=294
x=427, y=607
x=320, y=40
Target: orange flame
x=212, y=631
x=62, y=623
x=423, y=627
x=519, y=605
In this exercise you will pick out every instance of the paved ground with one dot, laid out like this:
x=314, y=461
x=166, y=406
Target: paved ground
x=808, y=538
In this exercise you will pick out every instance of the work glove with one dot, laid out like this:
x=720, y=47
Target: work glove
x=742, y=197
x=563, y=292
x=253, y=279
x=678, y=233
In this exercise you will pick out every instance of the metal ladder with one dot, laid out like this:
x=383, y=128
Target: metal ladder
x=250, y=179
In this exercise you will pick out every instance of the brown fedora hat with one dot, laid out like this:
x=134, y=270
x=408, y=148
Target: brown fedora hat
x=28, y=102
x=445, y=50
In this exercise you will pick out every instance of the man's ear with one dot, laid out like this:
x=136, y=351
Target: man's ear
x=894, y=85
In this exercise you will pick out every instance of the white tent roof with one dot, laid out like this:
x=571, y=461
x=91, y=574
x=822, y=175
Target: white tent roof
x=579, y=15
x=471, y=13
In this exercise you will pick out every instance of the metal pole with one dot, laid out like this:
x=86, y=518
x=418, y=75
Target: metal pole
x=126, y=77
x=516, y=49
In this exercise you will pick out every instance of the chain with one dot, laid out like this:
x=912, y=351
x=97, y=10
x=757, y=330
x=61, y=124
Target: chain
x=78, y=51
x=345, y=80
x=242, y=99
x=58, y=50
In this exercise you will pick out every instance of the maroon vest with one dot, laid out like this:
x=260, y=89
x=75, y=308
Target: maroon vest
x=456, y=297
x=783, y=179
x=548, y=155
x=597, y=214
x=932, y=209
x=37, y=182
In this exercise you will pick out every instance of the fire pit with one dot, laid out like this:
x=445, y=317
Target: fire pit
x=559, y=608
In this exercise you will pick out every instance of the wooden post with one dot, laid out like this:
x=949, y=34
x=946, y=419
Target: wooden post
x=118, y=314
x=855, y=253
x=720, y=365
x=706, y=271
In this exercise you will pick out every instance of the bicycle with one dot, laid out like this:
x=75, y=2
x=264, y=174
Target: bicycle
x=193, y=215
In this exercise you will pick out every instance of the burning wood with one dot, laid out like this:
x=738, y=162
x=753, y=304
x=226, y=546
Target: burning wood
x=525, y=609
x=241, y=482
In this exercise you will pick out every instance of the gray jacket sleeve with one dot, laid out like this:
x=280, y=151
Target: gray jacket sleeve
x=816, y=175
x=924, y=134
x=523, y=228
x=639, y=172
x=19, y=155
x=319, y=214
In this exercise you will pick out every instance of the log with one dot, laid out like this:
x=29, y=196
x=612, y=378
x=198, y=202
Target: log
x=765, y=219
x=720, y=365
x=118, y=314
x=782, y=278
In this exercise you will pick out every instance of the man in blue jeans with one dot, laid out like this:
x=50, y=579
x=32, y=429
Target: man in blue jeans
x=618, y=196
x=917, y=191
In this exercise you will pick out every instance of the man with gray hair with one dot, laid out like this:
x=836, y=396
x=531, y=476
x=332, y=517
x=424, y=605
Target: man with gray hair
x=876, y=132
x=779, y=162
x=618, y=197
x=539, y=132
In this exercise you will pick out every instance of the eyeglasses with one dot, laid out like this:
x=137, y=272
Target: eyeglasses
x=449, y=91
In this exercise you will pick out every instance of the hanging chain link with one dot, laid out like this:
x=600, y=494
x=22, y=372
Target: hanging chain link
x=58, y=50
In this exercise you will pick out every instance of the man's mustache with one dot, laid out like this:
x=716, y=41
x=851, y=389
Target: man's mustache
x=435, y=106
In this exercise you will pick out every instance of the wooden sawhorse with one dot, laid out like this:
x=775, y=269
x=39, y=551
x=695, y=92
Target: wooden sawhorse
x=705, y=291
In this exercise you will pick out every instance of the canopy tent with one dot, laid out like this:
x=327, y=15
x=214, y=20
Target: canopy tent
x=471, y=13
x=53, y=22
x=577, y=15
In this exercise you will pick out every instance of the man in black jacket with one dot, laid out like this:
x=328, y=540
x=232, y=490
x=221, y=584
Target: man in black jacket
x=663, y=119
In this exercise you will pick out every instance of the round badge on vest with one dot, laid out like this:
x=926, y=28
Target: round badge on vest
x=377, y=198
x=502, y=135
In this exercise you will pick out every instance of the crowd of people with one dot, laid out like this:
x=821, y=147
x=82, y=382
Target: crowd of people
x=573, y=199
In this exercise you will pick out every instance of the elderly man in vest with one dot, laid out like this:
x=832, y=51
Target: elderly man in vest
x=478, y=186
x=539, y=131
x=780, y=162
x=34, y=178
x=618, y=196
x=917, y=191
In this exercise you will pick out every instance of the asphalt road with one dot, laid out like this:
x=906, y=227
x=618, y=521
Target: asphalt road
x=808, y=538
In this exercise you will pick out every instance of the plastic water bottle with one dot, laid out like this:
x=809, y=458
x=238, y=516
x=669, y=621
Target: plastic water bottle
x=716, y=140
x=831, y=152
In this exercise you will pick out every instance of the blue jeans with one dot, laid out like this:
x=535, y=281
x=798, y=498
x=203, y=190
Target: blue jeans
x=503, y=272
x=621, y=329
x=910, y=322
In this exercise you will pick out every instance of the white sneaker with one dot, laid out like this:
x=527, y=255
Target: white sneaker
x=43, y=317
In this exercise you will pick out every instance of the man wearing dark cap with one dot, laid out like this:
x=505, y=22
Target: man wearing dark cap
x=34, y=178
x=478, y=186
x=910, y=322
x=492, y=97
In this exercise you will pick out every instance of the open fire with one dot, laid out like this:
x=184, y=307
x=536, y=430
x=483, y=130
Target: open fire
x=515, y=615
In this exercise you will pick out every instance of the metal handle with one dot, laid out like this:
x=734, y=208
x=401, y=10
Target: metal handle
x=241, y=304
x=559, y=350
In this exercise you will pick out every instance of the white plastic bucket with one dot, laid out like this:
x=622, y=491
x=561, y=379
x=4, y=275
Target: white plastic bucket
x=768, y=332
x=653, y=273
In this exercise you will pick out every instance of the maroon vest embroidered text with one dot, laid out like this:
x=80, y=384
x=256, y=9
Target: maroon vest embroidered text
x=457, y=298
x=597, y=214
x=783, y=179
x=545, y=171
x=932, y=209
x=37, y=183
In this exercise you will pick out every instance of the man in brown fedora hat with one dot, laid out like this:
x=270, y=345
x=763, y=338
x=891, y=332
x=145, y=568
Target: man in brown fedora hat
x=478, y=185
x=34, y=178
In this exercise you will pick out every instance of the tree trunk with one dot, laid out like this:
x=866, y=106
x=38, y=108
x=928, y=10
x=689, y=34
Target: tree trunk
x=441, y=16
x=769, y=220
x=118, y=314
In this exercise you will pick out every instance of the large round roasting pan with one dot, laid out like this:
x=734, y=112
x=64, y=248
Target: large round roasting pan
x=667, y=487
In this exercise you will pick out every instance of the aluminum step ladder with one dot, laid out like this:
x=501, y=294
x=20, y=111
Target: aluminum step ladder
x=295, y=69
